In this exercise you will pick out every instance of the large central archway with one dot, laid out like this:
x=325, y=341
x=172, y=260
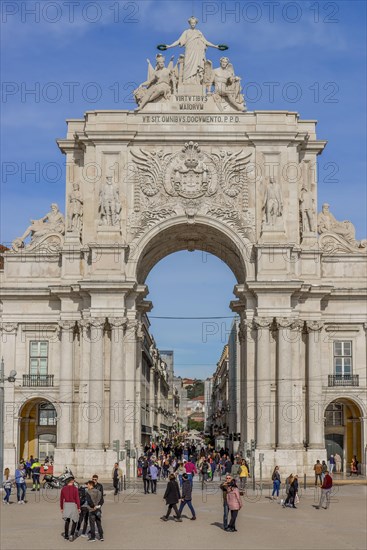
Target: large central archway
x=215, y=238
x=205, y=234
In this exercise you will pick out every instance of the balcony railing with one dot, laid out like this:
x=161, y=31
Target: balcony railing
x=343, y=380
x=38, y=380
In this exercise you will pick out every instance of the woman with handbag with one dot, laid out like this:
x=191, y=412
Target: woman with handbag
x=7, y=484
x=234, y=504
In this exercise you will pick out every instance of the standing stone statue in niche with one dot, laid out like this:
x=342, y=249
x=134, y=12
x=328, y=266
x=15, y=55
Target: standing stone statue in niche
x=227, y=86
x=273, y=203
x=109, y=204
x=307, y=208
x=326, y=223
x=75, y=213
x=195, y=45
x=53, y=222
x=161, y=82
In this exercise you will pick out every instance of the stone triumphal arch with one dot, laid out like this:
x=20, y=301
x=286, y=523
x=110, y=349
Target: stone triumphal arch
x=190, y=168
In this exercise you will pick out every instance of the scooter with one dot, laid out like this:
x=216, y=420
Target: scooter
x=53, y=482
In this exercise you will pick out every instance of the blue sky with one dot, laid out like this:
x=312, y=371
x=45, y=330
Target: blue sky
x=320, y=46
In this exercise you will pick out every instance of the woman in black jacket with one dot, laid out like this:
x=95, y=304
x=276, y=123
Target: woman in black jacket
x=172, y=496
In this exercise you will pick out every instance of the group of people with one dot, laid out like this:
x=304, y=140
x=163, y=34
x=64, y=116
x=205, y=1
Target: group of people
x=81, y=508
x=19, y=478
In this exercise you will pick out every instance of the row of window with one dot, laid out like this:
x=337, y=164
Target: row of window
x=38, y=357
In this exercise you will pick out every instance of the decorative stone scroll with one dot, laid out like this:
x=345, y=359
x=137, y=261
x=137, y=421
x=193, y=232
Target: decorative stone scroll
x=337, y=236
x=47, y=231
x=191, y=181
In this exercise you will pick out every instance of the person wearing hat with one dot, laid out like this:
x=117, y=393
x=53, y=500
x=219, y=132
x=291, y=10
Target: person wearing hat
x=70, y=508
x=186, y=496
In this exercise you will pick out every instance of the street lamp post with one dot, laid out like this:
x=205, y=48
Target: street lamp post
x=10, y=378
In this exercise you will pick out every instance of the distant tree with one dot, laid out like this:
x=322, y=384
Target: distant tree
x=195, y=425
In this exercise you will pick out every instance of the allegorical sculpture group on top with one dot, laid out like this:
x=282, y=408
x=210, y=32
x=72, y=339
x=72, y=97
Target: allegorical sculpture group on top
x=192, y=74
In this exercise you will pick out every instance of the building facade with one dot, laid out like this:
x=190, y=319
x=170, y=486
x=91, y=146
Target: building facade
x=141, y=185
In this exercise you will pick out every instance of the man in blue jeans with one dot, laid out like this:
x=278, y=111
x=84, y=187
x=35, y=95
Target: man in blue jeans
x=186, y=496
x=224, y=486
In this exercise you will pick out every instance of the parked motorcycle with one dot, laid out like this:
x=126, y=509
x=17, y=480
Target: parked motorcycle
x=53, y=482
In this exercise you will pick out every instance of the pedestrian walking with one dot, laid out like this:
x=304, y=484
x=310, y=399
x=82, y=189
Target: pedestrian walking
x=331, y=464
x=325, y=491
x=318, y=471
x=153, y=471
x=292, y=492
x=70, y=508
x=180, y=471
x=36, y=473
x=276, y=483
x=324, y=469
x=20, y=477
x=172, y=497
x=186, y=496
x=224, y=486
x=7, y=485
x=354, y=466
x=190, y=470
x=234, y=504
x=116, y=476
x=94, y=498
x=243, y=474
x=146, y=475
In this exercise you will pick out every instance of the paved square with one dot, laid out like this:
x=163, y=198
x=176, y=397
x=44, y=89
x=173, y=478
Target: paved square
x=132, y=522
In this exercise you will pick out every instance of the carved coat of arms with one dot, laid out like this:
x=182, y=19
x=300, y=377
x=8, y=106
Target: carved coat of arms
x=190, y=181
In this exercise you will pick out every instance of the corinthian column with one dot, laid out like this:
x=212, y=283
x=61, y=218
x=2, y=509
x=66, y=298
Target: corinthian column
x=65, y=418
x=288, y=410
x=117, y=379
x=263, y=383
x=96, y=385
x=314, y=386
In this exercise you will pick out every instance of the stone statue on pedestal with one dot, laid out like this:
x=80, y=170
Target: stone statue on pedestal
x=161, y=82
x=109, y=204
x=195, y=45
x=75, y=213
x=51, y=223
x=343, y=231
x=307, y=208
x=227, y=86
x=273, y=203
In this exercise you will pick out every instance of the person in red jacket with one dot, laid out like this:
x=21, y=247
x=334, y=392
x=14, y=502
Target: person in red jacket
x=70, y=508
x=326, y=487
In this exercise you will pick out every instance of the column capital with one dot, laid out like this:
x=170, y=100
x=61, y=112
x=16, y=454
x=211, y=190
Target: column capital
x=314, y=326
x=117, y=322
x=97, y=322
x=263, y=322
x=133, y=325
x=284, y=322
x=66, y=325
x=9, y=327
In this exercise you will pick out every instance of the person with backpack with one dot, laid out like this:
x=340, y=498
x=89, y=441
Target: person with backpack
x=276, y=483
x=84, y=511
x=7, y=484
x=172, y=497
x=186, y=496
